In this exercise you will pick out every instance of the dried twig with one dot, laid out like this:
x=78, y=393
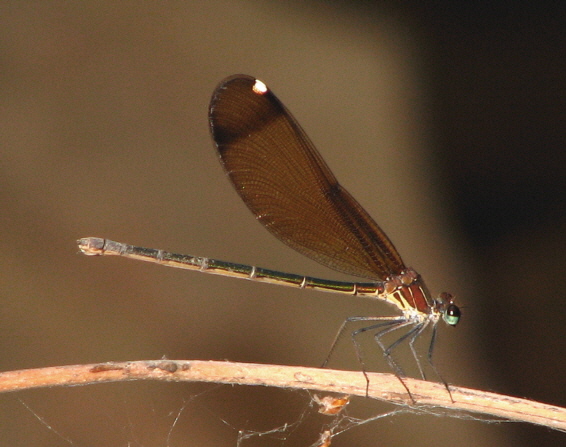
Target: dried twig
x=386, y=387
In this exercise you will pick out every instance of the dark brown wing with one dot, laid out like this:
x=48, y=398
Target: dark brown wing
x=287, y=185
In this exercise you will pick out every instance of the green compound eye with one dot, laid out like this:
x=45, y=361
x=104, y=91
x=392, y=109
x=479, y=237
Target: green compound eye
x=452, y=315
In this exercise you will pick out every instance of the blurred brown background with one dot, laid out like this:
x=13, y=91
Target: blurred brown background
x=445, y=122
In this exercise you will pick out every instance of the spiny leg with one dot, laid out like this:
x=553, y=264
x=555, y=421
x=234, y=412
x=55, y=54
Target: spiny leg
x=415, y=331
x=349, y=320
x=394, y=324
x=413, y=337
x=433, y=366
x=384, y=321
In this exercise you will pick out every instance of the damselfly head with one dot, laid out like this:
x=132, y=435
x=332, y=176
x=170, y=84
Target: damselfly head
x=450, y=312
